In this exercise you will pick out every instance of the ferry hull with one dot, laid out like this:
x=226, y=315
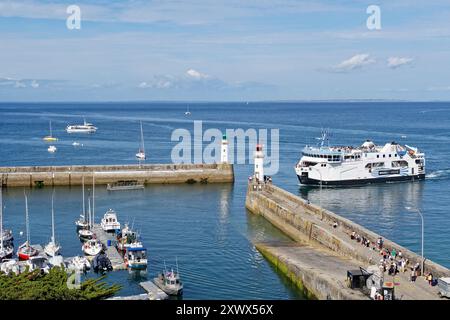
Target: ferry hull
x=305, y=180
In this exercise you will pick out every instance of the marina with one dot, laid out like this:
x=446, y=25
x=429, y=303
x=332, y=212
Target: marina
x=218, y=208
x=108, y=240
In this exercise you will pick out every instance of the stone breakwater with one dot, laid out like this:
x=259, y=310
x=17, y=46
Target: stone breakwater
x=325, y=231
x=146, y=173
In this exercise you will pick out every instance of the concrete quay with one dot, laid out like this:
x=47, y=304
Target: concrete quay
x=39, y=176
x=325, y=245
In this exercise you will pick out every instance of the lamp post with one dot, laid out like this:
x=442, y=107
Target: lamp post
x=320, y=195
x=421, y=217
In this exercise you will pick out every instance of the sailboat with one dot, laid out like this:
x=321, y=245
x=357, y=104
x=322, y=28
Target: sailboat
x=92, y=246
x=86, y=234
x=141, y=153
x=50, y=137
x=52, y=248
x=82, y=223
x=26, y=251
x=6, y=249
x=187, y=113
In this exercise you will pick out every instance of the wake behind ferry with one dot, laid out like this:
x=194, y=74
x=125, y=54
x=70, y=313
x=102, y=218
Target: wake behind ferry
x=369, y=163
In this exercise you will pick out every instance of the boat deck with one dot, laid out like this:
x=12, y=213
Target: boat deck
x=111, y=252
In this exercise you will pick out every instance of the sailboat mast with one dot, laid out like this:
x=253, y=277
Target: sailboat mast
x=84, y=204
x=142, y=139
x=1, y=217
x=93, y=198
x=53, y=218
x=27, y=224
x=89, y=212
x=50, y=123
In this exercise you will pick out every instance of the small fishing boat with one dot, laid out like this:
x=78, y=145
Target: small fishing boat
x=124, y=185
x=92, y=247
x=136, y=256
x=50, y=137
x=169, y=282
x=26, y=251
x=86, y=127
x=38, y=263
x=52, y=248
x=51, y=149
x=125, y=238
x=109, y=222
x=76, y=144
x=141, y=152
x=78, y=263
x=6, y=248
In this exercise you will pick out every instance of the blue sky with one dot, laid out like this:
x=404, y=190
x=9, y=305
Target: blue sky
x=224, y=50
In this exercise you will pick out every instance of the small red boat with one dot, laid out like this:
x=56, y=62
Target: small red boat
x=26, y=251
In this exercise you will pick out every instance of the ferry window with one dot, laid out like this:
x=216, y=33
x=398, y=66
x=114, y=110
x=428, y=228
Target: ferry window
x=384, y=156
x=329, y=157
x=395, y=155
x=378, y=155
x=389, y=155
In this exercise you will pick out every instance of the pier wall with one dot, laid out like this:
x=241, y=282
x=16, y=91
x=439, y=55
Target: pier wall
x=309, y=223
x=146, y=173
x=314, y=282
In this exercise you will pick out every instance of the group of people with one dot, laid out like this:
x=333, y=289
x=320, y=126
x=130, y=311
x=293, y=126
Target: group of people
x=360, y=239
x=391, y=261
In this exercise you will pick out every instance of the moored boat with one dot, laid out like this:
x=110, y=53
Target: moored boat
x=52, y=249
x=109, y=222
x=136, y=256
x=38, y=263
x=125, y=237
x=78, y=263
x=101, y=263
x=92, y=247
x=169, y=282
x=26, y=251
x=124, y=185
x=6, y=248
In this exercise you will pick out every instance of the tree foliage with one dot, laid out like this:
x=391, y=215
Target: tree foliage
x=52, y=286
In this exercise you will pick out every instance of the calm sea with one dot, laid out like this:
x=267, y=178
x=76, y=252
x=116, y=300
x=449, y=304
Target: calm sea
x=206, y=227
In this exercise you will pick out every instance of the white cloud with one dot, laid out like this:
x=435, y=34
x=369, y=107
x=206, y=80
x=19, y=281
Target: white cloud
x=34, y=84
x=395, y=62
x=196, y=74
x=356, y=62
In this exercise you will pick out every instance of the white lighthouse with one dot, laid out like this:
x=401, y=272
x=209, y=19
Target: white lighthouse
x=224, y=150
x=259, y=163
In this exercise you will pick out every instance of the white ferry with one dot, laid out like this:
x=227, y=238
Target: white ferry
x=81, y=128
x=369, y=163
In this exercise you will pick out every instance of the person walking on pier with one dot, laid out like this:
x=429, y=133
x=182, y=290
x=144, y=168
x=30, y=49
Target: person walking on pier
x=380, y=243
x=430, y=279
